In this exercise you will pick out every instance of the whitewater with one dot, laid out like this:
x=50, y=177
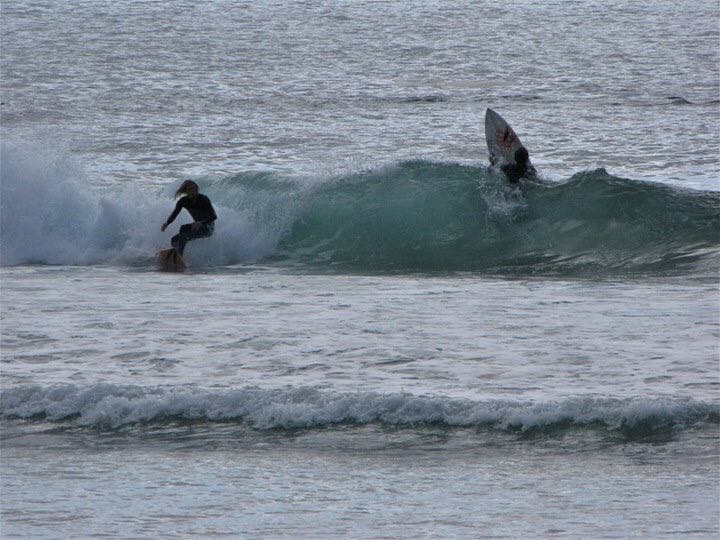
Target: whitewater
x=382, y=338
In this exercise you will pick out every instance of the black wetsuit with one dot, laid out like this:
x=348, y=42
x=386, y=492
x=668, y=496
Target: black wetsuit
x=515, y=172
x=201, y=209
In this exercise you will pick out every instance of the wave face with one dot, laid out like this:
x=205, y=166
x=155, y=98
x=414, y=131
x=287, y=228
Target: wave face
x=110, y=407
x=413, y=216
x=421, y=216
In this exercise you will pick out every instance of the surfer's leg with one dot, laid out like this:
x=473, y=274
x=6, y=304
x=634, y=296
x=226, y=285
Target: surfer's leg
x=205, y=231
x=181, y=238
x=186, y=234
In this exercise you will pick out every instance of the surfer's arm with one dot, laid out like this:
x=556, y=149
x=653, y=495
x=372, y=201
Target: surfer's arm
x=172, y=216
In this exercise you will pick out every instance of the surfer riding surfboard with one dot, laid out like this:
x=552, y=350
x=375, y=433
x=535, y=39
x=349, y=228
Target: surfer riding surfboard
x=203, y=214
x=505, y=149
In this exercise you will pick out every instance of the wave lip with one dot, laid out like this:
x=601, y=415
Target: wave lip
x=104, y=406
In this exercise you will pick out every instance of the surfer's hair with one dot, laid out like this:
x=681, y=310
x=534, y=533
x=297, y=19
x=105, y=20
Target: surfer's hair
x=184, y=187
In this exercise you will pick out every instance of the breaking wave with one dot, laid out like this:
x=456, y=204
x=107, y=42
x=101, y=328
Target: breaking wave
x=414, y=216
x=104, y=406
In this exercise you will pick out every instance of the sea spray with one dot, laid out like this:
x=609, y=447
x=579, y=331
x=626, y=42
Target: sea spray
x=50, y=216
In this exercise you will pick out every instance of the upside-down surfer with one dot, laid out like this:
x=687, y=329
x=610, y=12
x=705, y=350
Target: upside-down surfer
x=201, y=210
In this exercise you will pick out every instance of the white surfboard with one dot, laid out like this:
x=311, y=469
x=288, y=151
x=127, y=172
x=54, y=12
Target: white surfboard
x=501, y=140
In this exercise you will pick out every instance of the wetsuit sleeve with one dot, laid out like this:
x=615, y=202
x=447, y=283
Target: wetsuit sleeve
x=178, y=207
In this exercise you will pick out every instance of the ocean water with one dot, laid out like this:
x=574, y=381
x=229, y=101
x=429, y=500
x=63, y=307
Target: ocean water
x=381, y=339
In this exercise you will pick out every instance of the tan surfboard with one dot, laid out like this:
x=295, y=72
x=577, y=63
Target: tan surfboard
x=169, y=260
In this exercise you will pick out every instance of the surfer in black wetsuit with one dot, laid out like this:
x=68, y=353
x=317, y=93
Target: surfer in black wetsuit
x=519, y=169
x=201, y=210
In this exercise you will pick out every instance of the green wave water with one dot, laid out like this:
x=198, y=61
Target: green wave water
x=420, y=216
x=408, y=217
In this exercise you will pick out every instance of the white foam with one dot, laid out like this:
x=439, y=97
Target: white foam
x=48, y=215
x=111, y=406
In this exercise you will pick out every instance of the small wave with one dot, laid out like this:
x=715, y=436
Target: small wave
x=412, y=98
x=111, y=407
x=432, y=98
x=679, y=100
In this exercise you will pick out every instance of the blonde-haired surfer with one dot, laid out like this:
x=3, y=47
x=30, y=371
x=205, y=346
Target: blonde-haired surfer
x=201, y=210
